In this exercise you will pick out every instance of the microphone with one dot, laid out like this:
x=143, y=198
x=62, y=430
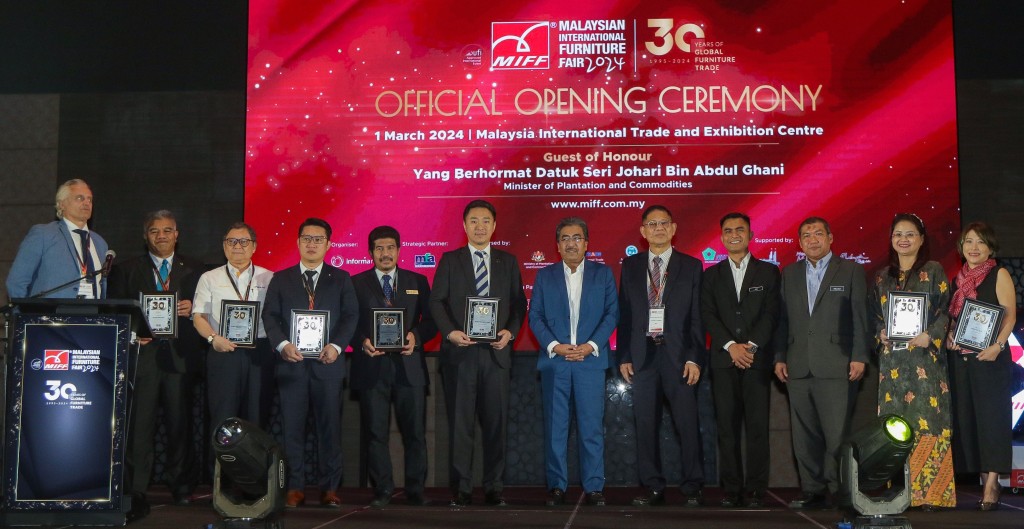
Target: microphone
x=111, y=254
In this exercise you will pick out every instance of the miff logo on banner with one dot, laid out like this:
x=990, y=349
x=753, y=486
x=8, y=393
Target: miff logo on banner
x=520, y=45
x=56, y=359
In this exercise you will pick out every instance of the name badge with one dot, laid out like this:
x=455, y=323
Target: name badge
x=755, y=289
x=656, y=320
x=837, y=288
x=85, y=289
x=412, y=292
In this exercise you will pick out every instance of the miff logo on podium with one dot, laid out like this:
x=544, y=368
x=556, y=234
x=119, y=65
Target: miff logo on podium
x=56, y=359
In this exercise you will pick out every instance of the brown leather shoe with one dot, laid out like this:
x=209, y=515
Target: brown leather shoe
x=294, y=498
x=330, y=499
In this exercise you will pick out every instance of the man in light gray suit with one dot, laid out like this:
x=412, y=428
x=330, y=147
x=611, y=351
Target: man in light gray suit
x=821, y=350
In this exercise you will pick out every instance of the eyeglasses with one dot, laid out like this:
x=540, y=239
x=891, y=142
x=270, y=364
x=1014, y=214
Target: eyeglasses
x=310, y=239
x=652, y=224
x=575, y=238
x=237, y=242
x=908, y=234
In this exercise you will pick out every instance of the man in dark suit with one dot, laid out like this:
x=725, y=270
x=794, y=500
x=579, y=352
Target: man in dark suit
x=476, y=374
x=740, y=306
x=314, y=379
x=661, y=353
x=164, y=368
x=573, y=313
x=821, y=351
x=400, y=377
x=61, y=251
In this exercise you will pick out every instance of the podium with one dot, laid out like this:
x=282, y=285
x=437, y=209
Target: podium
x=66, y=414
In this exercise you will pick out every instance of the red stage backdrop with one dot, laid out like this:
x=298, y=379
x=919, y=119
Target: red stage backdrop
x=400, y=112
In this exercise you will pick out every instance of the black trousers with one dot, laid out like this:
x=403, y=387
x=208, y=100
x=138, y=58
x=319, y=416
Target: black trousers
x=982, y=433
x=240, y=384
x=476, y=388
x=741, y=407
x=410, y=405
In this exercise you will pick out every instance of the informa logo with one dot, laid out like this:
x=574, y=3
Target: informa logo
x=520, y=46
x=56, y=359
x=426, y=260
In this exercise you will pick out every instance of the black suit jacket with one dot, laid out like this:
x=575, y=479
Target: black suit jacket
x=684, y=332
x=334, y=293
x=412, y=294
x=455, y=281
x=751, y=319
x=130, y=278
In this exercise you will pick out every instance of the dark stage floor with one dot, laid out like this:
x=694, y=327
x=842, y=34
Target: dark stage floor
x=526, y=510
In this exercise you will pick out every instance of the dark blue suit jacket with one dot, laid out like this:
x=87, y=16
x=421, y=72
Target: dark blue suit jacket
x=47, y=258
x=334, y=293
x=599, y=313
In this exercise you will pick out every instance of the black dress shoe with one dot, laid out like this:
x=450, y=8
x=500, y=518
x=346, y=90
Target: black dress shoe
x=556, y=496
x=732, y=500
x=139, y=508
x=809, y=501
x=182, y=498
x=417, y=500
x=756, y=501
x=693, y=499
x=596, y=499
x=380, y=500
x=494, y=499
x=462, y=499
x=652, y=498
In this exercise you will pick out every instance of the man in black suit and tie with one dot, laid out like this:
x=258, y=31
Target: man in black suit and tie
x=821, y=351
x=400, y=377
x=740, y=306
x=661, y=353
x=311, y=378
x=476, y=374
x=164, y=368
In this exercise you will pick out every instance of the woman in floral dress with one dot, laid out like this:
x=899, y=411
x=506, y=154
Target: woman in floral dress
x=913, y=376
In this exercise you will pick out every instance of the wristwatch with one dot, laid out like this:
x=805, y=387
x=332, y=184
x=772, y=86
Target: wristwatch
x=209, y=339
x=1002, y=345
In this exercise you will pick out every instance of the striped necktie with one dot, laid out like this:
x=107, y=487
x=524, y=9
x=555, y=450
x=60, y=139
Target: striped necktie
x=481, y=274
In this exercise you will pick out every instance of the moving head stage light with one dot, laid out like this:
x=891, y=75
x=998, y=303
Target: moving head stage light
x=872, y=458
x=249, y=477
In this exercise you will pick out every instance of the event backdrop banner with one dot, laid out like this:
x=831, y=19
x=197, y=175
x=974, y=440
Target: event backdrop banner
x=376, y=112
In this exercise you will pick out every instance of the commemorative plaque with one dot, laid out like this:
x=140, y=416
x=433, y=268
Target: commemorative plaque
x=908, y=315
x=309, y=331
x=239, y=322
x=388, y=330
x=978, y=325
x=482, y=319
x=161, y=310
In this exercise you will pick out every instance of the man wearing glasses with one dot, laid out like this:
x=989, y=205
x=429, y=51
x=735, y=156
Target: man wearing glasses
x=661, y=353
x=321, y=300
x=240, y=378
x=573, y=312
x=61, y=251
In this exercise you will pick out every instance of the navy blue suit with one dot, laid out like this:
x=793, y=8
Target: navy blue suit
x=311, y=381
x=658, y=367
x=583, y=382
x=47, y=258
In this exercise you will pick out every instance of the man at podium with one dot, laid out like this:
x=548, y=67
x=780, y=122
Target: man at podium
x=61, y=251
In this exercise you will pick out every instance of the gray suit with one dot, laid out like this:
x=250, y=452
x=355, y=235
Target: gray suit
x=818, y=346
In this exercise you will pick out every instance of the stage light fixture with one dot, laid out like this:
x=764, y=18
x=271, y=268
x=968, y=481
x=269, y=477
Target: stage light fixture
x=872, y=461
x=249, y=476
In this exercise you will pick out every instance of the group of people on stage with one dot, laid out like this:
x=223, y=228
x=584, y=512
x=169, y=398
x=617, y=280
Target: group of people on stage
x=814, y=325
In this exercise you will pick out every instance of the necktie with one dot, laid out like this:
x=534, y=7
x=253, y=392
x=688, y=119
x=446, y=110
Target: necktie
x=310, y=286
x=163, y=275
x=389, y=293
x=654, y=288
x=481, y=274
x=89, y=266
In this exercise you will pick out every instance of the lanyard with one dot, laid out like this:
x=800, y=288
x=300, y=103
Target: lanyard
x=235, y=285
x=165, y=286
